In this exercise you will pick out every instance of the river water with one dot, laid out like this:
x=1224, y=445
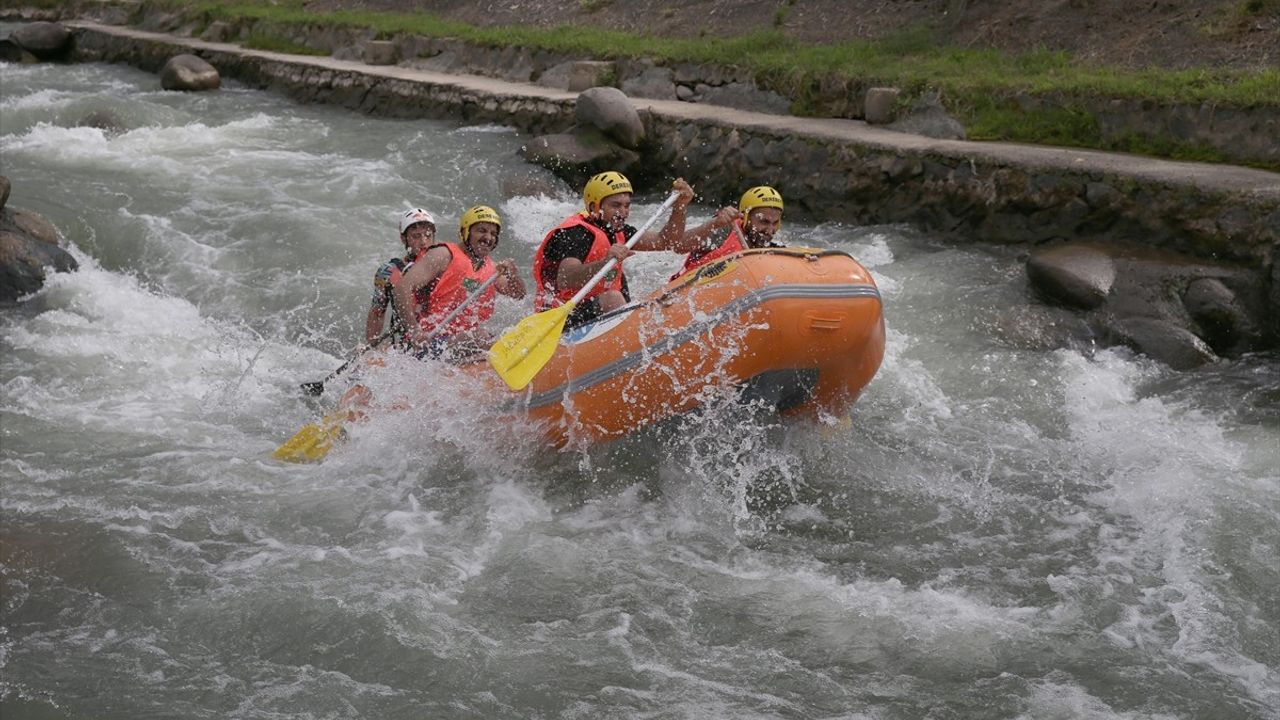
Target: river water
x=1000, y=532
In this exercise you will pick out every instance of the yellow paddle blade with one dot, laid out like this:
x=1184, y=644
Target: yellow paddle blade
x=522, y=351
x=313, y=441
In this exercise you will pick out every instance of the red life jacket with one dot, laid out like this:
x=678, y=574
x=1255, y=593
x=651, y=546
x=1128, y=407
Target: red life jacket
x=731, y=244
x=544, y=273
x=459, y=279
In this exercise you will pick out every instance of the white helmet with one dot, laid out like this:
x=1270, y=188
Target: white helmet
x=415, y=216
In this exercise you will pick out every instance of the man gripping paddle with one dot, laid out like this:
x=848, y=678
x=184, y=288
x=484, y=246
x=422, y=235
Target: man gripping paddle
x=750, y=225
x=522, y=351
x=446, y=276
x=581, y=245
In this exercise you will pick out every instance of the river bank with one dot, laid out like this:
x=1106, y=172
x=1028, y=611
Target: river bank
x=999, y=532
x=1201, y=215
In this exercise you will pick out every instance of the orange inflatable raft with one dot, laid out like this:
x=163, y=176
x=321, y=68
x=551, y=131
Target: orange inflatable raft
x=797, y=329
x=800, y=329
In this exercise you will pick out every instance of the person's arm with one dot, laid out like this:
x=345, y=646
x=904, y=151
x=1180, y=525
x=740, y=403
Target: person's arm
x=509, y=282
x=705, y=236
x=671, y=234
x=573, y=273
x=422, y=273
x=382, y=280
x=567, y=248
x=373, y=323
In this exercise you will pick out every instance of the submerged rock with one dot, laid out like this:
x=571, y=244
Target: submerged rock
x=104, y=120
x=1177, y=347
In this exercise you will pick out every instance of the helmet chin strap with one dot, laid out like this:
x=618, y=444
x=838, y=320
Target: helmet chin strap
x=471, y=252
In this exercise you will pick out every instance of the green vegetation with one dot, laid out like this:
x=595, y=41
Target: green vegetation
x=271, y=42
x=911, y=59
x=981, y=86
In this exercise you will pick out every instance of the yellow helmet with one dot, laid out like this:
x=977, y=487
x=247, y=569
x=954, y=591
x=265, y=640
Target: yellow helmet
x=477, y=214
x=603, y=185
x=758, y=197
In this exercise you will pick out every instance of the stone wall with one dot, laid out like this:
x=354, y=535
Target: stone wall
x=1241, y=134
x=951, y=187
x=1227, y=218
x=988, y=199
x=1248, y=135
x=349, y=88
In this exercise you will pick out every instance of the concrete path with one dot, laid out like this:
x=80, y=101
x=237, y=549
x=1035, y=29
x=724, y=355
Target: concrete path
x=1204, y=177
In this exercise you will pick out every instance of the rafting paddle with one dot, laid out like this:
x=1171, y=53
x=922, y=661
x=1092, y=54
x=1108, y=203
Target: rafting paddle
x=521, y=352
x=312, y=442
x=317, y=388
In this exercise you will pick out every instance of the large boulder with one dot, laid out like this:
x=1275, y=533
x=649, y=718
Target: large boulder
x=218, y=31
x=577, y=156
x=1272, y=312
x=610, y=111
x=881, y=105
x=653, y=82
x=929, y=118
x=1172, y=345
x=1222, y=318
x=744, y=96
x=1076, y=274
x=188, y=72
x=33, y=225
x=11, y=51
x=28, y=245
x=1184, y=311
x=577, y=75
x=45, y=40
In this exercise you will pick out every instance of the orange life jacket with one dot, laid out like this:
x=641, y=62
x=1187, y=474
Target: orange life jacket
x=544, y=273
x=731, y=244
x=459, y=279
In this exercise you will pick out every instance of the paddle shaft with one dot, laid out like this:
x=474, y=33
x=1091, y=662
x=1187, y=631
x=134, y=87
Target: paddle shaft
x=522, y=351
x=443, y=324
x=595, y=279
x=317, y=388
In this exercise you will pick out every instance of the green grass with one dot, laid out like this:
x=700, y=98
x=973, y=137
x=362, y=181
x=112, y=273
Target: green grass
x=266, y=40
x=911, y=59
x=979, y=85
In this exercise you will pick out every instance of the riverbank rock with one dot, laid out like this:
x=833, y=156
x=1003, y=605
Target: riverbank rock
x=11, y=52
x=1181, y=310
x=577, y=75
x=577, y=155
x=926, y=116
x=44, y=40
x=28, y=245
x=1075, y=274
x=610, y=111
x=605, y=137
x=188, y=72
